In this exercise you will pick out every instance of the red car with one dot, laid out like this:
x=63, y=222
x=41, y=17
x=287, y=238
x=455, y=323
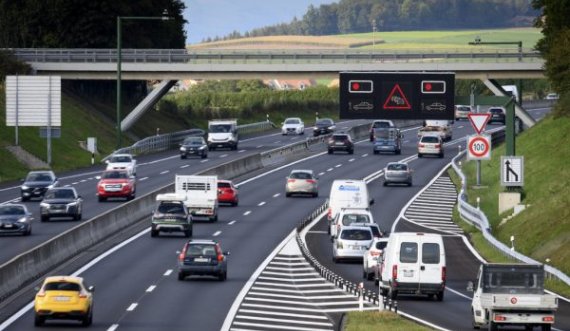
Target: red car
x=227, y=192
x=116, y=184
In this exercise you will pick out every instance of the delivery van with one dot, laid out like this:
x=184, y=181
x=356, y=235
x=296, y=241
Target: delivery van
x=413, y=263
x=347, y=193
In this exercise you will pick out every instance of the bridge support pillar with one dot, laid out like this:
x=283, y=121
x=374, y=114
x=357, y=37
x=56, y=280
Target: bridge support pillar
x=520, y=112
x=148, y=102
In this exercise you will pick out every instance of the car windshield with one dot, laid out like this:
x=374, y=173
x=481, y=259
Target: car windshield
x=397, y=167
x=292, y=121
x=301, y=175
x=62, y=286
x=201, y=250
x=430, y=139
x=356, y=234
x=12, y=210
x=325, y=121
x=170, y=208
x=39, y=177
x=495, y=110
x=224, y=185
x=220, y=128
x=463, y=108
x=348, y=219
x=381, y=244
x=340, y=138
x=193, y=141
x=115, y=174
x=121, y=159
x=383, y=124
x=60, y=194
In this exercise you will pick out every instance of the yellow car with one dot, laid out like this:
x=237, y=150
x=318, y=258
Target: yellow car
x=64, y=297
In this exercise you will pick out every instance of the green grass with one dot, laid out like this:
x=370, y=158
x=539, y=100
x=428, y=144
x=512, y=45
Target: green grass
x=380, y=321
x=543, y=230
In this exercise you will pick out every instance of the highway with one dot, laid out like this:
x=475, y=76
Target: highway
x=136, y=287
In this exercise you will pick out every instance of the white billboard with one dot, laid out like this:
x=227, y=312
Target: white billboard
x=30, y=100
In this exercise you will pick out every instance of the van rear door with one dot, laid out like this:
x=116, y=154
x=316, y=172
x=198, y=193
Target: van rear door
x=431, y=264
x=408, y=266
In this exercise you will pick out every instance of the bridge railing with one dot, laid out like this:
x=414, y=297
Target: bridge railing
x=273, y=56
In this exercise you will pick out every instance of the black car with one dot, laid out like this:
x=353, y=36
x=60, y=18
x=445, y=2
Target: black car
x=323, y=126
x=15, y=218
x=497, y=114
x=340, y=142
x=193, y=146
x=61, y=202
x=171, y=216
x=36, y=184
x=202, y=257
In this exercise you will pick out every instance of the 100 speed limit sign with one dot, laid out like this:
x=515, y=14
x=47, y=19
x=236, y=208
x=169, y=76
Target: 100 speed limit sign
x=479, y=147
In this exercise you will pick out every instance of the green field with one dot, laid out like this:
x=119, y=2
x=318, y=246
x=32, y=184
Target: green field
x=379, y=321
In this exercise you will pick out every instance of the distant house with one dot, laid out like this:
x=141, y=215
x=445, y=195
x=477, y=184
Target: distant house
x=290, y=84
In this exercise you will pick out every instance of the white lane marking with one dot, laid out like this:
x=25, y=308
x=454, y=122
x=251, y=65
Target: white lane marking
x=132, y=306
x=144, y=178
x=276, y=195
x=351, y=160
x=460, y=127
x=294, y=138
x=364, y=155
x=164, y=172
x=338, y=166
x=67, y=185
x=321, y=173
x=346, y=127
x=184, y=166
x=74, y=183
x=241, y=151
x=217, y=233
x=259, y=146
x=113, y=327
x=278, y=141
x=261, y=203
x=83, y=180
x=150, y=288
x=247, y=213
x=223, y=155
x=167, y=272
x=90, y=178
x=232, y=222
x=330, y=169
x=204, y=161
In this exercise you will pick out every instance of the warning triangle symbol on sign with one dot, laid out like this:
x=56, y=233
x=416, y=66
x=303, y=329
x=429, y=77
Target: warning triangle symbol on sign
x=397, y=100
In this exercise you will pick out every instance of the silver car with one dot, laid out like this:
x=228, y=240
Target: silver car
x=397, y=173
x=15, y=218
x=351, y=243
x=302, y=182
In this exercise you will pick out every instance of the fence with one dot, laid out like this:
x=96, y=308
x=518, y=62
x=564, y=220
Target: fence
x=479, y=219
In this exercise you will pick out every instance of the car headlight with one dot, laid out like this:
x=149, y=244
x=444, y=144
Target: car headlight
x=202, y=148
x=183, y=149
x=44, y=205
x=72, y=204
x=22, y=220
x=24, y=187
x=50, y=186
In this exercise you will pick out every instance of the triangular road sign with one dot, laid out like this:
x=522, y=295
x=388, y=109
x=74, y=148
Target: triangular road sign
x=397, y=100
x=479, y=121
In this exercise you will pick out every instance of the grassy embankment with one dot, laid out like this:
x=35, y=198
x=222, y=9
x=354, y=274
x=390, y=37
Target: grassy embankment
x=376, y=321
x=542, y=231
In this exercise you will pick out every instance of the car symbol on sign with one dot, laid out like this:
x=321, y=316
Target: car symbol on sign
x=363, y=106
x=436, y=106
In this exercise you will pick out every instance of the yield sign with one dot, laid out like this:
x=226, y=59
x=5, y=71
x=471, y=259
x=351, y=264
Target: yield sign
x=479, y=121
x=397, y=100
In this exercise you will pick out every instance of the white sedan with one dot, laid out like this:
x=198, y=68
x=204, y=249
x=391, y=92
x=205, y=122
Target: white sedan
x=293, y=125
x=372, y=258
x=122, y=162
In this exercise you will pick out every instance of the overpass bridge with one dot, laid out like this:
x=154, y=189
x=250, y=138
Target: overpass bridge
x=170, y=65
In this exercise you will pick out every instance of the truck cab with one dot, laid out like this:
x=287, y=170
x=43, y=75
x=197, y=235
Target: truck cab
x=511, y=294
x=222, y=134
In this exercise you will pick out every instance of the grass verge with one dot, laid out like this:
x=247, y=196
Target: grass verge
x=380, y=321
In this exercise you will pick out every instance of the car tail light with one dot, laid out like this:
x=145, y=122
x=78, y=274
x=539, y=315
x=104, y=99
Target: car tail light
x=311, y=181
x=421, y=145
x=548, y=319
x=41, y=294
x=331, y=141
x=395, y=271
x=500, y=318
x=83, y=296
x=443, y=274
x=219, y=253
x=183, y=253
x=329, y=214
x=290, y=180
x=437, y=146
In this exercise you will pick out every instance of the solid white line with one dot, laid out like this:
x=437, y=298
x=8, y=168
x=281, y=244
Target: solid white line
x=259, y=288
x=113, y=327
x=241, y=151
x=204, y=161
x=271, y=326
x=132, y=306
x=223, y=155
x=263, y=312
x=168, y=272
x=231, y=223
x=290, y=321
x=321, y=173
x=217, y=233
x=184, y=166
x=150, y=288
x=289, y=274
x=247, y=213
x=164, y=172
x=261, y=203
x=259, y=146
x=304, y=309
x=290, y=269
x=292, y=280
x=144, y=178
x=276, y=195
x=322, y=284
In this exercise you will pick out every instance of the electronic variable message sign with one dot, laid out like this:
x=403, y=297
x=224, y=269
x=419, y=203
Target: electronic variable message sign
x=397, y=95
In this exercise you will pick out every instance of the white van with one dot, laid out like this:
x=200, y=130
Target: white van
x=347, y=216
x=347, y=193
x=413, y=263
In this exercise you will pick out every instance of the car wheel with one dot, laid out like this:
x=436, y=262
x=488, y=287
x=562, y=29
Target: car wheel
x=24, y=199
x=351, y=151
x=153, y=233
x=102, y=199
x=182, y=156
x=439, y=296
x=204, y=155
x=370, y=276
x=546, y=327
x=78, y=217
x=188, y=233
x=88, y=319
x=214, y=219
x=410, y=183
x=376, y=152
x=335, y=260
x=302, y=132
x=29, y=232
x=39, y=320
x=492, y=326
x=385, y=183
x=287, y=194
x=222, y=276
x=330, y=151
x=441, y=155
x=392, y=294
x=364, y=274
x=399, y=151
x=44, y=219
x=316, y=195
x=181, y=276
x=420, y=155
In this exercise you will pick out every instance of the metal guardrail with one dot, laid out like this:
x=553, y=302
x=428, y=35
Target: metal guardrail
x=263, y=56
x=479, y=219
x=168, y=141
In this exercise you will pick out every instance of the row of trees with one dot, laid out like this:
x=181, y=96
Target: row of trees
x=356, y=16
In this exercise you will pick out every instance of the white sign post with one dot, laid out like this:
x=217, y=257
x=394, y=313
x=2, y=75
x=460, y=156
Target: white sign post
x=479, y=148
x=512, y=171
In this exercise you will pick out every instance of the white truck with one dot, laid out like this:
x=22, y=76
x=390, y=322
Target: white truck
x=512, y=294
x=222, y=134
x=200, y=195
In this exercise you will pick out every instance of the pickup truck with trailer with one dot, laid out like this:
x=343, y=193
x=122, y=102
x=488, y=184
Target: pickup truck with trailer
x=512, y=294
x=200, y=195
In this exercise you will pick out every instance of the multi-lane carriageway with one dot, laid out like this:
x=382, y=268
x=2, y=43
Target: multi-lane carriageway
x=136, y=284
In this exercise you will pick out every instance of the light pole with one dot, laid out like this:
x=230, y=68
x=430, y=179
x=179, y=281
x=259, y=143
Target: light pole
x=164, y=17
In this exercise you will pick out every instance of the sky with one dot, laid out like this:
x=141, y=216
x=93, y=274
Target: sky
x=208, y=18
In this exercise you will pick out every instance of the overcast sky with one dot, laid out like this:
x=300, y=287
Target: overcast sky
x=208, y=18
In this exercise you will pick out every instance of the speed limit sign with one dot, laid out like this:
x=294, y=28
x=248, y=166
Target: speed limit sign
x=479, y=147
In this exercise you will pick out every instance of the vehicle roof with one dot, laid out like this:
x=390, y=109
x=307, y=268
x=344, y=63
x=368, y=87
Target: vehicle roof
x=416, y=234
x=355, y=211
x=348, y=181
x=41, y=172
x=396, y=162
x=301, y=170
x=224, y=181
x=13, y=205
x=354, y=227
x=122, y=154
x=376, y=121
x=202, y=241
x=356, y=224
x=430, y=134
x=70, y=279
